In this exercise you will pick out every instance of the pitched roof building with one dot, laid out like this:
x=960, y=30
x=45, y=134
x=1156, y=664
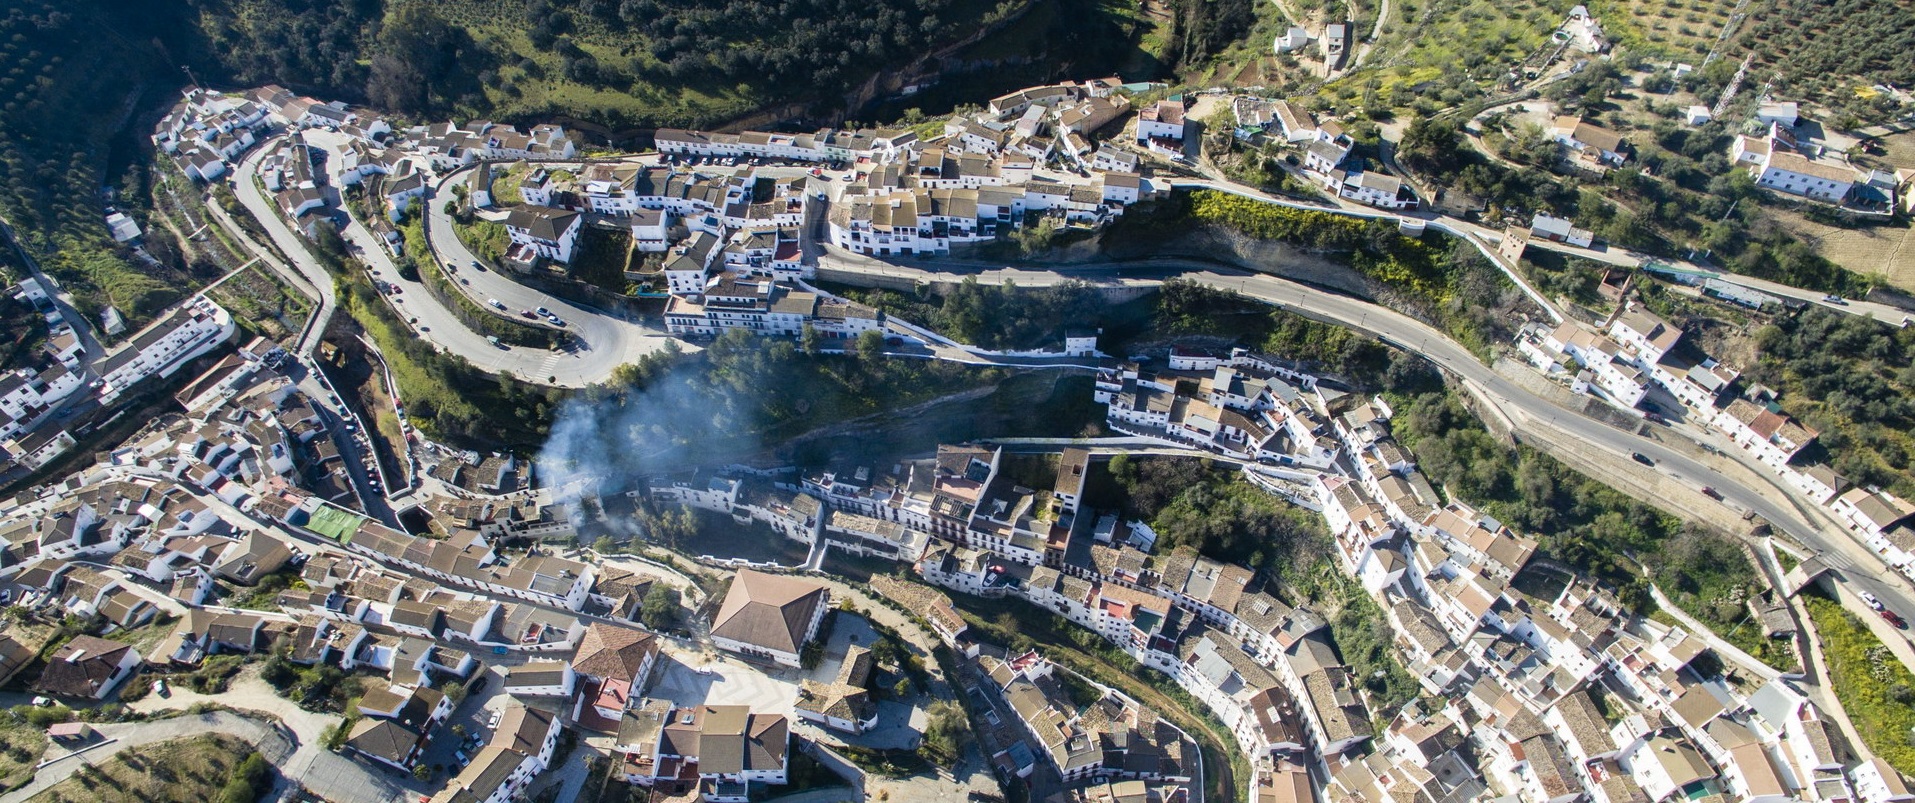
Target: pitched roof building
x=87, y=667
x=770, y=616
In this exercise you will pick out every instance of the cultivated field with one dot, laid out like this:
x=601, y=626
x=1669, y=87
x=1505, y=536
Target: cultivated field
x=1885, y=250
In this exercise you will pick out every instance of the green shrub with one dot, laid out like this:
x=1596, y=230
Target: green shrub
x=1869, y=681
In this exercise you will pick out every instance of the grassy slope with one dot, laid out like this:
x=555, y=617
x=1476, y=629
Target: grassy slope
x=183, y=771
x=1873, y=686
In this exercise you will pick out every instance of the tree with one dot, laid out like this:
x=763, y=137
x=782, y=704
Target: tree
x=1035, y=238
x=604, y=545
x=871, y=345
x=421, y=63
x=335, y=737
x=251, y=778
x=1432, y=145
x=809, y=340
x=423, y=771
x=659, y=610
x=946, y=733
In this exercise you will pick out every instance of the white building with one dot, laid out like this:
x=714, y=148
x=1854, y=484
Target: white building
x=1375, y=189
x=539, y=232
x=770, y=616
x=520, y=749
x=1795, y=174
x=725, y=747
x=1161, y=127
x=1875, y=781
x=541, y=679
x=1593, y=141
x=186, y=333
x=1786, y=113
x=1776, y=164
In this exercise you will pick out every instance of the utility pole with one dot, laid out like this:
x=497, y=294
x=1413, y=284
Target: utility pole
x=190, y=76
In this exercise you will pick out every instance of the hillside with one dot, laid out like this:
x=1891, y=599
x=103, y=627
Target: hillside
x=1836, y=50
x=635, y=63
x=80, y=81
x=73, y=75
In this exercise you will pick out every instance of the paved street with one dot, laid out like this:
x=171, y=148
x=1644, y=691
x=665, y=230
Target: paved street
x=316, y=279
x=609, y=340
x=429, y=318
x=1602, y=450
x=334, y=776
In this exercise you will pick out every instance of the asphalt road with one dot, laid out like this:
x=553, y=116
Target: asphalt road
x=284, y=238
x=1483, y=237
x=1579, y=440
x=608, y=341
x=612, y=342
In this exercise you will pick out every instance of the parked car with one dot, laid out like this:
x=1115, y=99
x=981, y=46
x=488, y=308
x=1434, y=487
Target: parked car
x=1641, y=458
x=496, y=303
x=527, y=313
x=555, y=320
x=1836, y=300
x=493, y=722
x=1869, y=600
x=1712, y=493
x=545, y=312
x=478, y=267
x=1891, y=618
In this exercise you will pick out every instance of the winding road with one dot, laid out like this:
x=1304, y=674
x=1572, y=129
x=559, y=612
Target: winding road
x=1681, y=468
x=607, y=342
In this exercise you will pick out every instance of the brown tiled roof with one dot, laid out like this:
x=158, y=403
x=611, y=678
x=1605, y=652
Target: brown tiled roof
x=768, y=610
x=611, y=651
x=81, y=666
